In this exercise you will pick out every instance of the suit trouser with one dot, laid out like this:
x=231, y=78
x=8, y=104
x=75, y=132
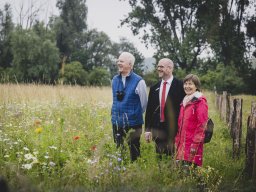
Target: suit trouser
x=164, y=145
x=132, y=134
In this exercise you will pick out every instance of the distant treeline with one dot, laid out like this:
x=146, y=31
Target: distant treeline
x=214, y=39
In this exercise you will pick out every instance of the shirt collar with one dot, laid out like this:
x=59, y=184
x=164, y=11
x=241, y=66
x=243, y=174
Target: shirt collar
x=129, y=74
x=169, y=81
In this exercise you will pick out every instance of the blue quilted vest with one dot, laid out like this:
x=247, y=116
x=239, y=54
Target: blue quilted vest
x=128, y=112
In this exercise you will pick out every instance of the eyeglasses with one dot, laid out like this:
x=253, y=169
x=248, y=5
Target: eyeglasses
x=161, y=66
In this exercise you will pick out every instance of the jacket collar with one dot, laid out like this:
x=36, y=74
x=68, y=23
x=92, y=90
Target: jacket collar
x=191, y=98
x=130, y=74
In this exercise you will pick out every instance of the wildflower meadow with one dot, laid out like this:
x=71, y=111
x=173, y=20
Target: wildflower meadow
x=59, y=138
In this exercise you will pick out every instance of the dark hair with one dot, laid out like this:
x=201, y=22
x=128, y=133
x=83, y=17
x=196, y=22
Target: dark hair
x=194, y=79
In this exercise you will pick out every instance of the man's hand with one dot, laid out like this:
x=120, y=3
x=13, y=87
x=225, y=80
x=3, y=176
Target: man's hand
x=148, y=136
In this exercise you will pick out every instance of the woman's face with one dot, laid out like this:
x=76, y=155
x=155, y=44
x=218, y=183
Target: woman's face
x=189, y=87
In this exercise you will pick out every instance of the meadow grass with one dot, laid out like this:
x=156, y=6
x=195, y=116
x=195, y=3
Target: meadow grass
x=59, y=138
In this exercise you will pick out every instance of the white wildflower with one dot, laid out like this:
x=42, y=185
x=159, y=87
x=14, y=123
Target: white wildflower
x=26, y=166
x=29, y=156
x=52, y=164
x=46, y=157
x=92, y=161
x=52, y=147
x=26, y=149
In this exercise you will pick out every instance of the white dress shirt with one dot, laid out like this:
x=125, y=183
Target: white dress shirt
x=168, y=85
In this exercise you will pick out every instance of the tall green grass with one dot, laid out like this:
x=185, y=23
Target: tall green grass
x=59, y=138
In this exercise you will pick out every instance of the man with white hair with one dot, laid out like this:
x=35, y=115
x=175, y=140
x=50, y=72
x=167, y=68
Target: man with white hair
x=129, y=103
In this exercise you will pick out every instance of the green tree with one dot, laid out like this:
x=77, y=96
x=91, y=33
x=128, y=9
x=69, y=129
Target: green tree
x=43, y=32
x=34, y=59
x=182, y=30
x=251, y=31
x=6, y=28
x=93, y=50
x=172, y=27
x=69, y=26
x=229, y=42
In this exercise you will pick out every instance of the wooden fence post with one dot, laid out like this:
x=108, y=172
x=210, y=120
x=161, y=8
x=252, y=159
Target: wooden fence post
x=216, y=99
x=224, y=110
x=250, y=148
x=228, y=107
x=219, y=102
x=236, y=127
x=231, y=116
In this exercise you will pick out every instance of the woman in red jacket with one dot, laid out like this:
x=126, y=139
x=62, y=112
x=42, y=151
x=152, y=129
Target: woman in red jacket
x=192, y=122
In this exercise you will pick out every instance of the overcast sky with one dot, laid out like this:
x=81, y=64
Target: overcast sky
x=105, y=15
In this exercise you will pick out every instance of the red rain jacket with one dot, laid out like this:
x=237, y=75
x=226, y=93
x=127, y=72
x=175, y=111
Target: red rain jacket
x=192, y=123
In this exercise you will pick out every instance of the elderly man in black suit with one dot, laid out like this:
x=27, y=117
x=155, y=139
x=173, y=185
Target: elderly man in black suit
x=163, y=109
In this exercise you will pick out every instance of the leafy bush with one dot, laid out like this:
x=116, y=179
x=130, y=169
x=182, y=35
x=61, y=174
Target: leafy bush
x=224, y=78
x=180, y=74
x=75, y=74
x=151, y=78
x=99, y=77
x=7, y=75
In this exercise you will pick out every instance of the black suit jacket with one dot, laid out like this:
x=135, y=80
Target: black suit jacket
x=167, y=130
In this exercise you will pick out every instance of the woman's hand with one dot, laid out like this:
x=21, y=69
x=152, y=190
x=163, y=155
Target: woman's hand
x=193, y=151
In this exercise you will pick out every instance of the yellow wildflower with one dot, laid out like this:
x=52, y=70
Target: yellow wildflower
x=39, y=130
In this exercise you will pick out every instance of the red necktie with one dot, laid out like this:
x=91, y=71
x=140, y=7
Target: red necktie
x=163, y=102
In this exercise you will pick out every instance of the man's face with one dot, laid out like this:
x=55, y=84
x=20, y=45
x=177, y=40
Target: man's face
x=164, y=70
x=124, y=65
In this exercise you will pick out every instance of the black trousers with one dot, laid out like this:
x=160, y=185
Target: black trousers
x=163, y=142
x=132, y=135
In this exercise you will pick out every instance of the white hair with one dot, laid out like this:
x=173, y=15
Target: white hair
x=130, y=57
